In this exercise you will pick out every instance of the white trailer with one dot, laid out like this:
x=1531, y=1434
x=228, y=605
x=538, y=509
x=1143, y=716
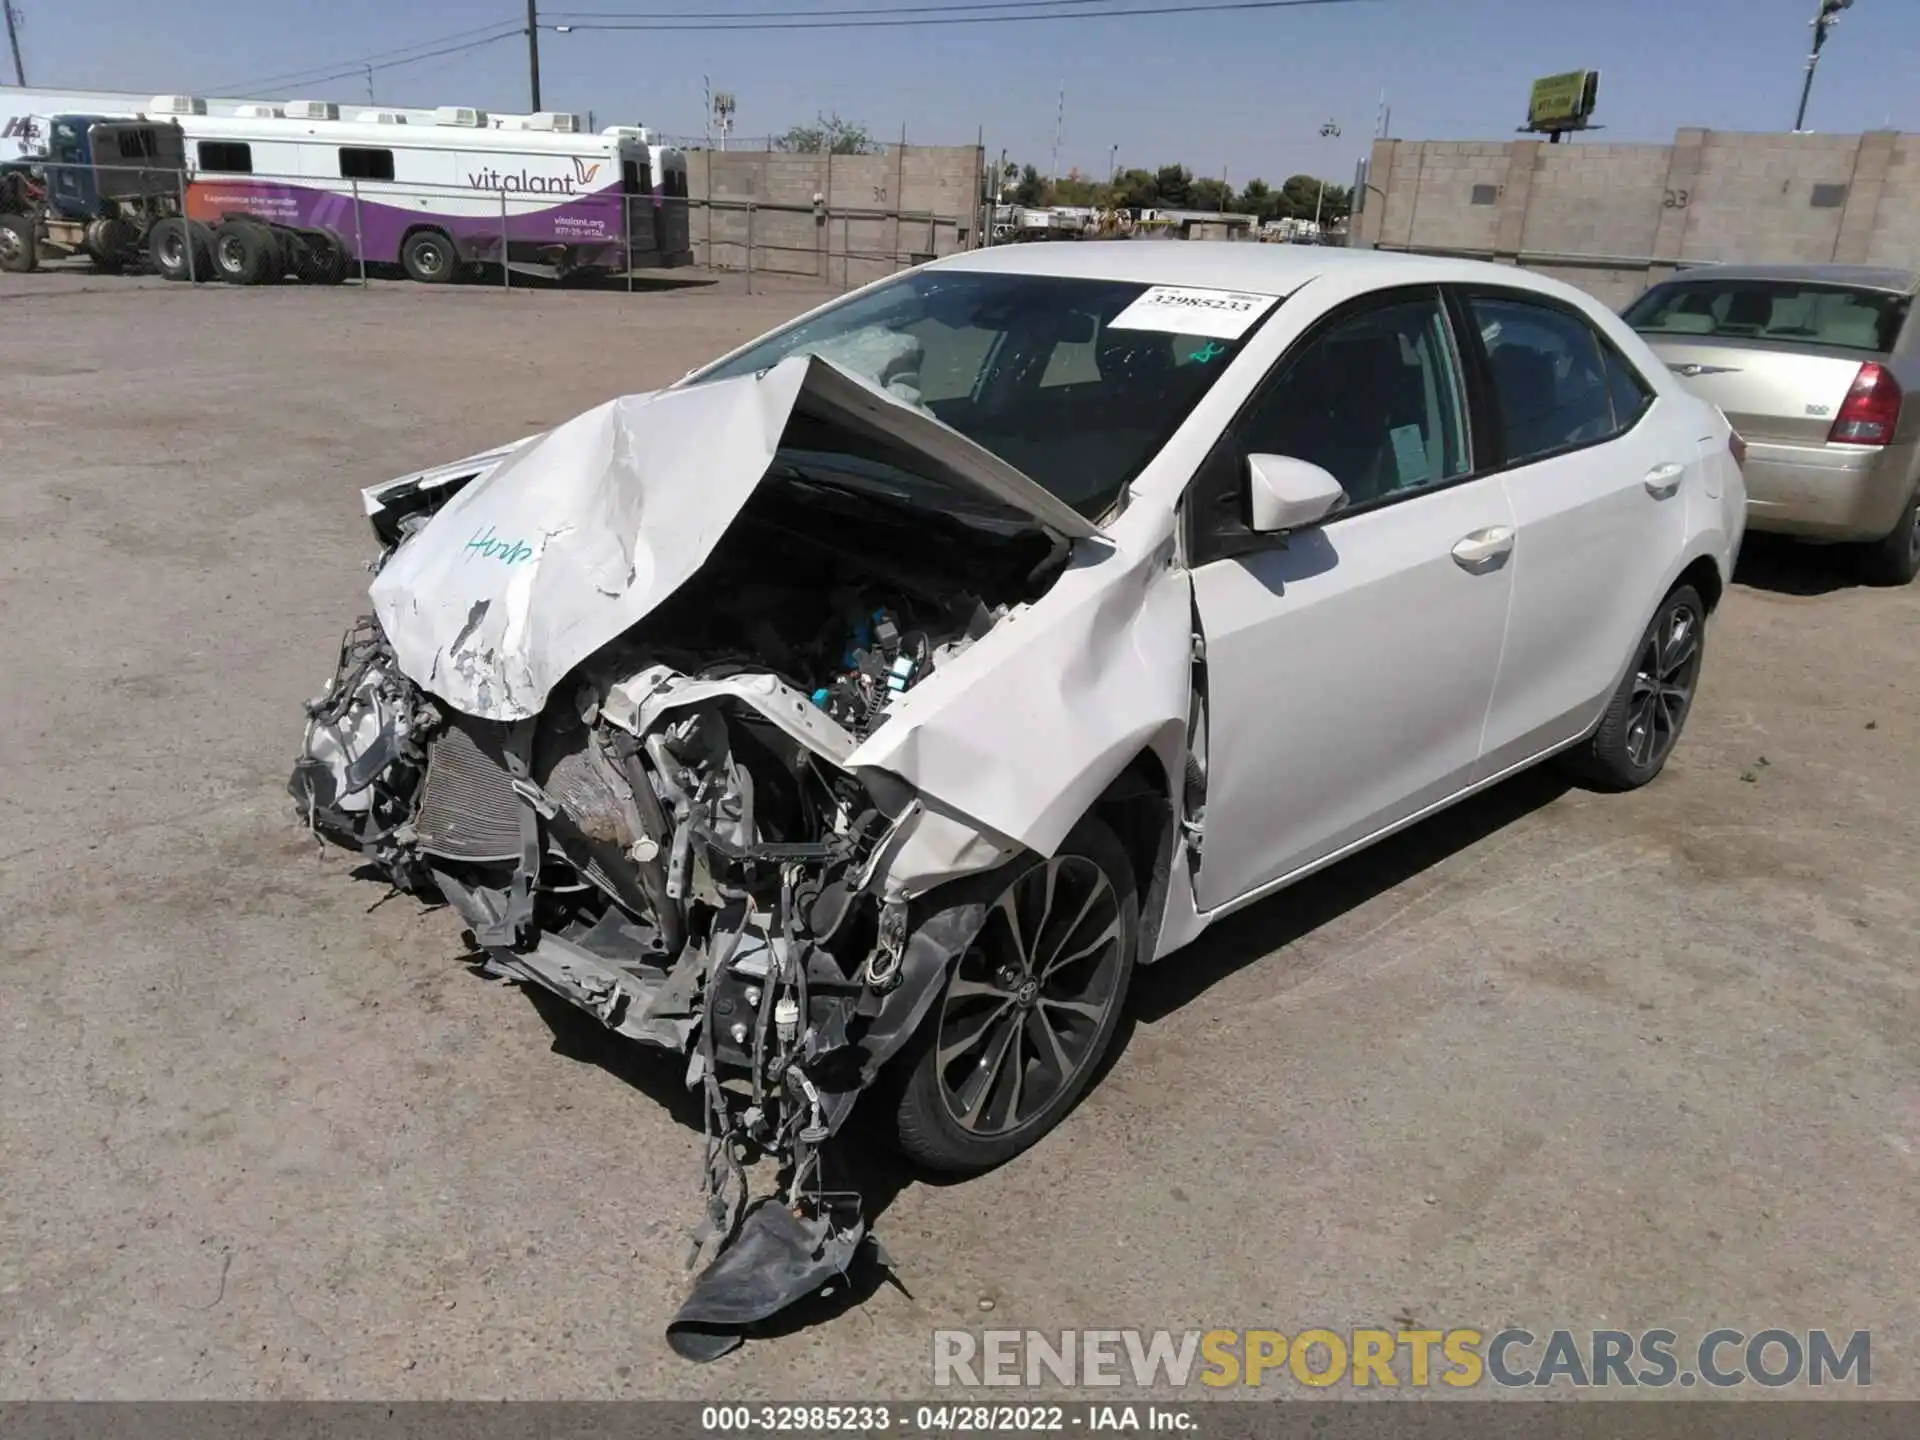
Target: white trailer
x=430, y=191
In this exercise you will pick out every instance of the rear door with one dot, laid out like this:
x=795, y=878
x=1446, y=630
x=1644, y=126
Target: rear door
x=1596, y=471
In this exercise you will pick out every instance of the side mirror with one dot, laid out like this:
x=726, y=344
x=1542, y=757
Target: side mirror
x=1286, y=494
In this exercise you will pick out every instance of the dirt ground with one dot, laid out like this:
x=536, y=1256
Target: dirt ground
x=1554, y=1058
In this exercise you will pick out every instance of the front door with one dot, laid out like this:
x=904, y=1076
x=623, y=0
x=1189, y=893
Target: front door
x=1350, y=666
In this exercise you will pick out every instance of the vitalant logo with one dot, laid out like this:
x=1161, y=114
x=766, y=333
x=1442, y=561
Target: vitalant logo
x=528, y=183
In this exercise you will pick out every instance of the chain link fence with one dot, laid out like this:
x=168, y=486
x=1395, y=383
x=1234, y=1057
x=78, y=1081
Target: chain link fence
x=258, y=228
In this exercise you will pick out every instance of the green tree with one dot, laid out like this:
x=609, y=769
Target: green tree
x=829, y=135
x=1210, y=194
x=1299, y=194
x=1135, y=190
x=1031, y=190
x=1082, y=190
x=1173, y=186
x=1258, y=200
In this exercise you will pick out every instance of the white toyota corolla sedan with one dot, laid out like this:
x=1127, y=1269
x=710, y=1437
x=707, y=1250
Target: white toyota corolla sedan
x=853, y=716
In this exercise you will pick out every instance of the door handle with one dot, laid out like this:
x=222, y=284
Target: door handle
x=1663, y=480
x=1481, y=550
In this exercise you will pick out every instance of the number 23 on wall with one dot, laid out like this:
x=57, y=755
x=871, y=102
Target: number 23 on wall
x=1676, y=200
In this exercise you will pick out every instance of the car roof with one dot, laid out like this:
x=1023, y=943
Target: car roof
x=1861, y=277
x=1234, y=265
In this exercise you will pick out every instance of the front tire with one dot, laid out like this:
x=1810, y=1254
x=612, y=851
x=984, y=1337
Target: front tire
x=1896, y=559
x=19, y=247
x=1642, y=722
x=428, y=257
x=1029, y=1011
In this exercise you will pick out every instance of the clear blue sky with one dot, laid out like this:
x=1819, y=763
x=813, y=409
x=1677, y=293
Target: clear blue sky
x=1244, y=91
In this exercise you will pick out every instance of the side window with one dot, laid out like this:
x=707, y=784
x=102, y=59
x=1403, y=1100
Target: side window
x=1631, y=395
x=1549, y=376
x=1375, y=400
x=362, y=164
x=226, y=157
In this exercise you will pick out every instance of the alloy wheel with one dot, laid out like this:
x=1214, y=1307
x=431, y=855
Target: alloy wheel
x=1663, y=682
x=1030, y=999
x=10, y=246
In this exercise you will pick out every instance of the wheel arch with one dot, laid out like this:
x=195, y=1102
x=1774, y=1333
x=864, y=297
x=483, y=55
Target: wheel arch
x=1703, y=573
x=1138, y=806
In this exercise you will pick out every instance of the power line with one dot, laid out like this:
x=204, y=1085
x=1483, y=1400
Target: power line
x=385, y=59
x=790, y=14
x=887, y=19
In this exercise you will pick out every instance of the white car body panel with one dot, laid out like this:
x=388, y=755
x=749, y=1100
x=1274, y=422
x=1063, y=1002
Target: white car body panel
x=571, y=538
x=1592, y=547
x=1359, y=678
x=1348, y=681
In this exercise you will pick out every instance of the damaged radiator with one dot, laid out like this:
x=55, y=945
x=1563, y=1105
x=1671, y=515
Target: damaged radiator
x=468, y=808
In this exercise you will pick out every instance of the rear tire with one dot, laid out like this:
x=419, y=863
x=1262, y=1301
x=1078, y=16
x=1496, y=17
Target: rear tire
x=318, y=259
x=1028, y=1012
x=428, y=256
x=245, y=253
x=1896, y=559
x=1642, y=722
x=169, y=245
x=19, y=247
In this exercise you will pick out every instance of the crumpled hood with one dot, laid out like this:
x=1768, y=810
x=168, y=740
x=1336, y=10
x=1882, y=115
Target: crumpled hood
x=572, y=537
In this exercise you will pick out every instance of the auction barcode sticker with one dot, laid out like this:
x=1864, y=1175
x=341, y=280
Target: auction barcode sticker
x=1218, y=314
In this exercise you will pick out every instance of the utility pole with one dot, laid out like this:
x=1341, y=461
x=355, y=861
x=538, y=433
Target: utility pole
x=1328, y=131
x=13, y=39
x=1824, y=19
x=1059, y=124
x=533, y=51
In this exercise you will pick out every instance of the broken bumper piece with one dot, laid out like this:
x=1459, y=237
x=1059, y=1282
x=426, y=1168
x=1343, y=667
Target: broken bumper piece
x=683, y=859
x=777, y=1259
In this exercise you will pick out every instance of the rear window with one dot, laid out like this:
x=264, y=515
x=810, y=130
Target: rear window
x=1786, y=310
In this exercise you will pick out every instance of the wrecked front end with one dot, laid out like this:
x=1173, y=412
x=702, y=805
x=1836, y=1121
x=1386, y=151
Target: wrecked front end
x=670, y=836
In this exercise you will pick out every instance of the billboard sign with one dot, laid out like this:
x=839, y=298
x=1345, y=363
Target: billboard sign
x=1563, y=102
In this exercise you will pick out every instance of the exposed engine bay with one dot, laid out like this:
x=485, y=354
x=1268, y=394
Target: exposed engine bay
x=674, y=843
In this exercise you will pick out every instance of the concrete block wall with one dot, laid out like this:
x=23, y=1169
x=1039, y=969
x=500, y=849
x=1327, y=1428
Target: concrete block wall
x=1615, y=218
x=1895, y=226
x=1752, y=200
x=882, y=212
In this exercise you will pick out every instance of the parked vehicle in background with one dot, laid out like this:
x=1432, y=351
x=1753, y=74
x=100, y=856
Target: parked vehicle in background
x=859, y=711
x=1813, y=365
x=88, y=184
x=433, y=198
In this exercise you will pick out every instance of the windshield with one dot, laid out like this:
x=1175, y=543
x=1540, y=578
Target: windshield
x=1789, y=310
x=1076, y=383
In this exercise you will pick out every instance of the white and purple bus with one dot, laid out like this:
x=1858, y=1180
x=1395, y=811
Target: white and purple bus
x=436, y=191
